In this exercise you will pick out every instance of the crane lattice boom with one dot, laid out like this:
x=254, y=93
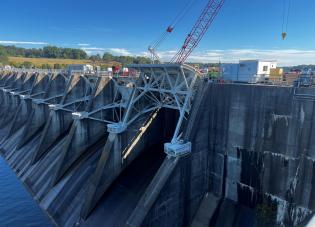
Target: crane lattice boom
x=200, y=28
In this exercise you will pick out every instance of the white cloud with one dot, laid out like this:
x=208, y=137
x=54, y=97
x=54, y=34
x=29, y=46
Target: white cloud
x=120, y=51
x=22, y=42
x=100, y=50
x=93, y=49
x=285, y=57
x=84, y=44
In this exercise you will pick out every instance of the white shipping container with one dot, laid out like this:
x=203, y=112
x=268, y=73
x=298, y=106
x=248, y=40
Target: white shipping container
x=248, y=71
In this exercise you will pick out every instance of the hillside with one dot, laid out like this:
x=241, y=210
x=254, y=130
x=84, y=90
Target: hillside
x=52, y=62
x=57, y=57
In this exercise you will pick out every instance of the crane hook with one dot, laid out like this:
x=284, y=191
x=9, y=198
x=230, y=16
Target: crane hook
x=284, y=35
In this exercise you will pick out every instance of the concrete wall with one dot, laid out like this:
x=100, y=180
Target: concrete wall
x=253, y=145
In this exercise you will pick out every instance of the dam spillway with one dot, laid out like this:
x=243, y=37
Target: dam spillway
x=252, y=147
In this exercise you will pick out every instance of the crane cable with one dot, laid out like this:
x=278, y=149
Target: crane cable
x=183, y=13
x=285, y=20
x=179, y=17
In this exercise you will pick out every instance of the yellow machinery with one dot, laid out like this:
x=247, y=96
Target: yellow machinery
x=276, y=74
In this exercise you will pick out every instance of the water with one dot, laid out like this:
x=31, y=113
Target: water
x=17, y=208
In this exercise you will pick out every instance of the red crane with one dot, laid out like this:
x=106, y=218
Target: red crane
x=200, y=28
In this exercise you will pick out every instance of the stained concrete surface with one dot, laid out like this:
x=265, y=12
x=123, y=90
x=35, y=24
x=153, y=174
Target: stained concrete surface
x=208, y=210
x=253, y=146
x=231, y=213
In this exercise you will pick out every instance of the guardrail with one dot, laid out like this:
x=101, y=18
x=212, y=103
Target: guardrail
x=32, y=70
x=258, y=79
x=67, y=73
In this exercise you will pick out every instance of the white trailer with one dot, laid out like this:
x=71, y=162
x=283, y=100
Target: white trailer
x=81, y=68
x=248, y=71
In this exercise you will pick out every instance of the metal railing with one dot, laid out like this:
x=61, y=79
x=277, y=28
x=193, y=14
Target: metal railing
x=257, y=79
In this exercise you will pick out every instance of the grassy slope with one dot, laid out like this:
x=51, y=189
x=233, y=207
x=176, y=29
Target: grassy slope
x=38, y=62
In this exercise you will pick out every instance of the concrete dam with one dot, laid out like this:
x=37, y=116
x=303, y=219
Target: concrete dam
x=161, y=148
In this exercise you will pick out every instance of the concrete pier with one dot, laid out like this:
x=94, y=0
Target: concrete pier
x=252, y=152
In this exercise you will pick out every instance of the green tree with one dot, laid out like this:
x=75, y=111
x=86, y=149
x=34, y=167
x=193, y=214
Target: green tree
x=4, y=60
x=108, y=57
x=141, y=60
x=46, y=66
x=52, y=52
x=57, y=66
x=27, y=65
x=125, y=60
x=95, y=58
x=47, y=52
x=16, y=65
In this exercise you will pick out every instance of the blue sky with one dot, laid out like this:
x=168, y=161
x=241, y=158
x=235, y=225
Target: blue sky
x=243, y=29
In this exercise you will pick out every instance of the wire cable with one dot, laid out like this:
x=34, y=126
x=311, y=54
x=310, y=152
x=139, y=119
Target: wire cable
x=179, y=17
x=286, y=17
x=182, y=13
x=283, y=14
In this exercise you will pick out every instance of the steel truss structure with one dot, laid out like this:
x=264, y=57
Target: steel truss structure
x=154, y=86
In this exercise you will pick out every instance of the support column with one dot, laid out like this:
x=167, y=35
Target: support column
x=97, y=186
x=57, y=124
x=21, y=116
x=83, y=134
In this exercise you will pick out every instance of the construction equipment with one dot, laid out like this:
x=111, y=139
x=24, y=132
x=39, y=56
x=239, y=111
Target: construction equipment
x=194, y=37
x=200, y=28
x=305, y=79
x=152, y=48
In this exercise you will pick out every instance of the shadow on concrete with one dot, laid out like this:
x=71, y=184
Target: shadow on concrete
x=120, y=200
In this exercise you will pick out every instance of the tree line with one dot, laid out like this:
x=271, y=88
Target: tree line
x=124, y=60
x=3, y=56
x=45, y=52
x=66, y=53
